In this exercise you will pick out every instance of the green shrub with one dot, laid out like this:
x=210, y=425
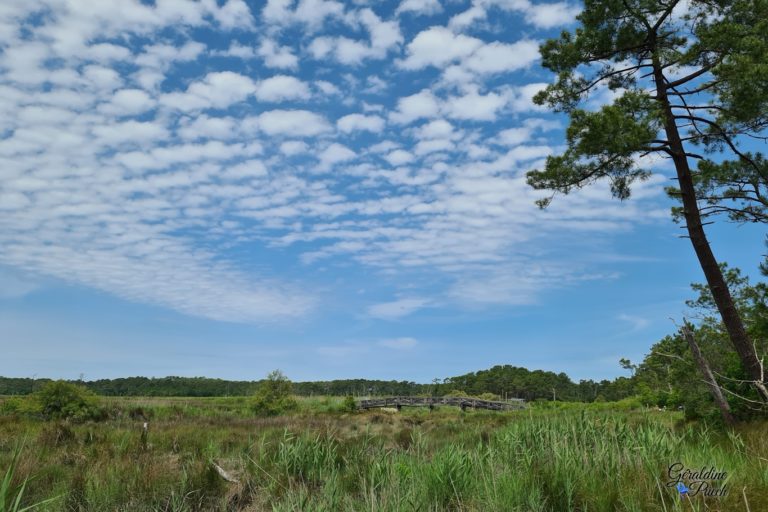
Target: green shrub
x=63, y=400
x=20, y=405
x=349, y=405
x=274, y=396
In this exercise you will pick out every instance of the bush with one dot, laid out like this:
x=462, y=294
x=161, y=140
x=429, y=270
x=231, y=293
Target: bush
x=63, y=400
x=349, y=405
x=12, y=405
x=274, y=396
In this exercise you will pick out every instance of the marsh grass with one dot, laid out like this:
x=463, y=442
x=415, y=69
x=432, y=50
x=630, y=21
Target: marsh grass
x=321, y=459
x=12, y=490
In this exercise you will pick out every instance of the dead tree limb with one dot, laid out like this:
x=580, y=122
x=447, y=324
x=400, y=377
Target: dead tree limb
x=223, y=474
x=709, y=377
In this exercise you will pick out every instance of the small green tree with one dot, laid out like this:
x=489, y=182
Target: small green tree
x=273, y=396
x=64, y=400
x=349, y=405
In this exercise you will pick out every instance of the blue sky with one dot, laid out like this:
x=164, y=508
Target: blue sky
x=333, y=189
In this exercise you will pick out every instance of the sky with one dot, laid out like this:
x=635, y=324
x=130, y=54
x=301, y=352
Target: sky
x=222, y=188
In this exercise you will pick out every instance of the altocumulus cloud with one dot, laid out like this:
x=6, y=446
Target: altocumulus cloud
x=144, y=146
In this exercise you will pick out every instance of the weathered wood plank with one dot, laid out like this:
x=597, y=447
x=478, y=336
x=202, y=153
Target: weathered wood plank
x=463, y=402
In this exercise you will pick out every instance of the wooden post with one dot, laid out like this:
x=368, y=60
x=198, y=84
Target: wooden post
x=144, y=436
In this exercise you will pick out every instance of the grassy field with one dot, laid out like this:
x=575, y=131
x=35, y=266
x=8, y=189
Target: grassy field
x=320, y=459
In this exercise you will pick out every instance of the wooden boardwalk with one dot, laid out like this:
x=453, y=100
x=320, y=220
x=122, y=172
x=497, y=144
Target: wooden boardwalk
x=464, y=402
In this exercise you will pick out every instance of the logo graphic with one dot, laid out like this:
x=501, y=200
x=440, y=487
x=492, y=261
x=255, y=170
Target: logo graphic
x=691, y=482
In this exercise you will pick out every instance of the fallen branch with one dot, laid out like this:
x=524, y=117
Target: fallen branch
x=223, y=474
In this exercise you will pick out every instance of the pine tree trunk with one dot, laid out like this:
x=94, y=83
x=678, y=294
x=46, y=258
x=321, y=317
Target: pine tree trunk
x=709, y=265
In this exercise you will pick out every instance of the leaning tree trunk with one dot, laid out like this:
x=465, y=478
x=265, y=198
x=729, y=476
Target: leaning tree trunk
x=714, y=276
x=709, y=377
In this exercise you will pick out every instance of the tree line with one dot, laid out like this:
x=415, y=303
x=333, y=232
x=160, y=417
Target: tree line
x=501, y=381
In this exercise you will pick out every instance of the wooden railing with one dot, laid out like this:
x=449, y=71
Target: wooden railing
x=456, y=401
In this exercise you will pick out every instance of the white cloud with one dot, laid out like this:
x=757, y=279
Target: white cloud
x=294, y=147
x=335, y=153
x=311, y=13
x=540, y=15
x=234, y=14
x=276, y=56
x=128, y=102
x=424, y=7
x=277, y=11
x=320, y=47
x=399, y=157
x=476, y=107
x=359, y=122
x=383, y=146
x=102, y=78
x=160, y=56
x=204, y=127
x=327, y=88
x=107, y=52
x=551, y=15
x=246, y=169
x=296, y=123
x=398, y=308
x=467, y=59
x=425, y=147
x=437, y=129
x=467, y=18
x=237, y=50
x=423, y=104
x=130, y=131
x=523, y=98
x=513, y=136
x=521, y=134
x=282, y=88
x=496, y=57
x=438, y=46
x=384, y=36
x=216, y=90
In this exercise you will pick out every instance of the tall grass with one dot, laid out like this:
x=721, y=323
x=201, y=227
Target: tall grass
x=11, y=493
x=559, y=460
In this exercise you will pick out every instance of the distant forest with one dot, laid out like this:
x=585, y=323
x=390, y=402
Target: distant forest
x=504, y=381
